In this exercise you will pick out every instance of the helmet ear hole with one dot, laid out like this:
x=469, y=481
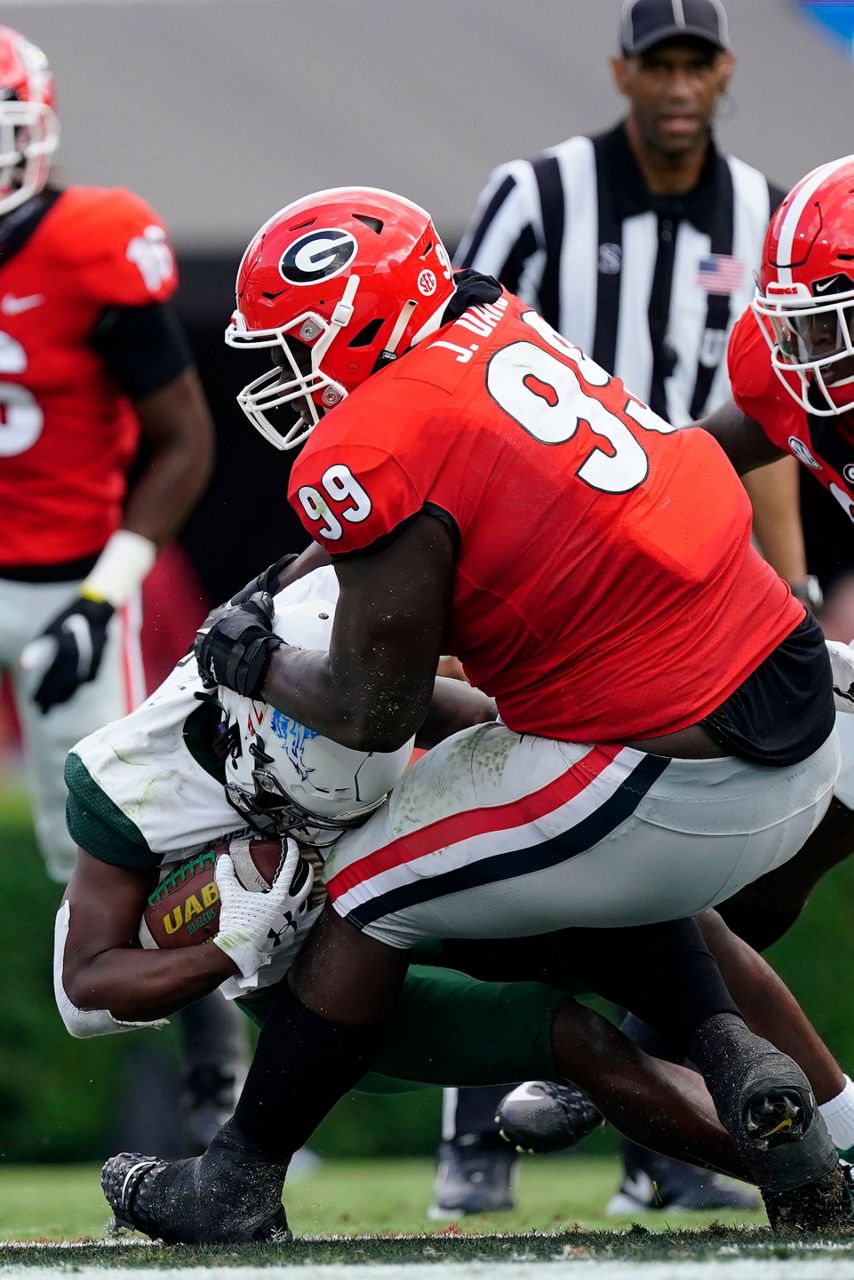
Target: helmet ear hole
x=375, y=224
x=366, y=335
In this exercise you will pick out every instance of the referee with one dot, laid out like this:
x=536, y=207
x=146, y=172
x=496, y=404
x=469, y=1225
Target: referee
x=639, y=245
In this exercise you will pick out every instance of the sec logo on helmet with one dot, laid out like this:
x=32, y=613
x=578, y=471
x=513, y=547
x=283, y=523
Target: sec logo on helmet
x=317, y=255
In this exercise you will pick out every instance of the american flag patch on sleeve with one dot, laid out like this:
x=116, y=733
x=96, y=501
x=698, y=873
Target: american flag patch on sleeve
x=720, y=273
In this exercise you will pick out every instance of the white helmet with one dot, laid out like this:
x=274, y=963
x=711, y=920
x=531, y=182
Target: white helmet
x=282, y=776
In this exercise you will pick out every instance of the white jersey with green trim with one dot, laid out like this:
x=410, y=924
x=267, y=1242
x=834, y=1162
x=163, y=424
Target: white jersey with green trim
x=159, y=788
x=147, y=791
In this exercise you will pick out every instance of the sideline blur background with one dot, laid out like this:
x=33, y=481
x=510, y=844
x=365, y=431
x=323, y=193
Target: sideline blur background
x=219, y=113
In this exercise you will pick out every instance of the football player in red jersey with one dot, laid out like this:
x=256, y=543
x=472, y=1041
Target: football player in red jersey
x=666, y=708
x=86, y=275
x=92, y=360
x=791, y=366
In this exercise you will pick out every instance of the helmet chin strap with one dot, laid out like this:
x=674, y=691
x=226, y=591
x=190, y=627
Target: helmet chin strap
x=389, y=352
x=343, y=313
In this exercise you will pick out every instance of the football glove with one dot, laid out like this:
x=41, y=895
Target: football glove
x=235, y=643
x=842, y=667
x=252, y=925
x=266, y=581
x=68, y=652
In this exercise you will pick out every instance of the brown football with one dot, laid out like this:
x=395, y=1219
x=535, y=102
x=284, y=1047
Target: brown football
x=184, y=908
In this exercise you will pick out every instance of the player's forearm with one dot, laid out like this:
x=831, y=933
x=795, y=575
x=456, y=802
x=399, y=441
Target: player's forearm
x=364, y=708
x=454, y=706
x=179, y=439
x=165, y=494
x=136, y=985
x=774, y=496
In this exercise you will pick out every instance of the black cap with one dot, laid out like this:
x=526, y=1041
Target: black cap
x=645, y=23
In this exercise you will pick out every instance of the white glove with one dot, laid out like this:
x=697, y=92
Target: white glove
x=842, y=666
x=251, y=925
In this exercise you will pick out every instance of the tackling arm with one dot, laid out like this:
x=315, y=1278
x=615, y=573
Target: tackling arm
x=373, y=689
x=104, y=981
x=455, y=705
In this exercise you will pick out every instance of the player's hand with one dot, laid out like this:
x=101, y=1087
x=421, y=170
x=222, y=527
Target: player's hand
x=68, y=652
x=235, y=643
x=842, y=666
x=266, y=581
x=252, y=925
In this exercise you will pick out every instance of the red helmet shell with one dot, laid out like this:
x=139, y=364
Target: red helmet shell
x=354, y=273
x=29, y=130
x=811, y=235
x=24, y=70
x=804, y=298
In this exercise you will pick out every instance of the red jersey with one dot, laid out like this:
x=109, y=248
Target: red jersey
x=605, y=588
x=67, y=432
x=821, y=444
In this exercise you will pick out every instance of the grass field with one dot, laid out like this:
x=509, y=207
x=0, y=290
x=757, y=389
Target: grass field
x=64, y=1202
x=374, y=1211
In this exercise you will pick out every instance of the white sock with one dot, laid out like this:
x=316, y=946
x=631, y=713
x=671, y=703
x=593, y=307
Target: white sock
x=838, y=1115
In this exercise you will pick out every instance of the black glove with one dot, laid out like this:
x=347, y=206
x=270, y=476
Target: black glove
x=235, y=643
x=76, y=638
x=266, y=581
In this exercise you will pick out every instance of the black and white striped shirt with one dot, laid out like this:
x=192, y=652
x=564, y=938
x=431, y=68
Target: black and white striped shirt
x=650, y=286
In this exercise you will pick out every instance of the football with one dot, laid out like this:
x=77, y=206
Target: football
x=183, y=910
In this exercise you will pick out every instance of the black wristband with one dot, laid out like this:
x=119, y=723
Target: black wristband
x=246, y=671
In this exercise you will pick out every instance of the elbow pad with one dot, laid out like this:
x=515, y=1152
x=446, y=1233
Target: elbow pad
x=83, y=1023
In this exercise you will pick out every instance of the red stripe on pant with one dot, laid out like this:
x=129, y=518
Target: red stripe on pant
x=476, y=822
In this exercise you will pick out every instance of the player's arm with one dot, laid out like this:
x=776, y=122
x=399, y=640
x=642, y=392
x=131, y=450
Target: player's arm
x=775, y=498
x=741, y=438
x=99, y=968
x=178, y=435
x=176, y=427
x=772, y=489
x=177, y=432
x=455, y=705
x=373, y=688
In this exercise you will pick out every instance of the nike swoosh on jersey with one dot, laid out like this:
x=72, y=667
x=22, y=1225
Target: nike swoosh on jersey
x=12, y=305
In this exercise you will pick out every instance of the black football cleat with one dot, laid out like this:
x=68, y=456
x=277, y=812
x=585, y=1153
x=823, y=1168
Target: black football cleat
x=229, y=1195
x=764, y=1101
x=546, y=1115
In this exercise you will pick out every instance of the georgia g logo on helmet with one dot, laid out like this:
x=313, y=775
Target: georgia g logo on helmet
x=317, y=255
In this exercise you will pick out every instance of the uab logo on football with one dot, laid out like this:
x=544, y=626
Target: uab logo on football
x=317, y=255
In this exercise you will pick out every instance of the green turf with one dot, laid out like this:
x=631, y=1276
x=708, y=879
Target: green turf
x=346, y=1198
x=373, y=1211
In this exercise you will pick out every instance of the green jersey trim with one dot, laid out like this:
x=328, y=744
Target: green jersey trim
x=97, y=823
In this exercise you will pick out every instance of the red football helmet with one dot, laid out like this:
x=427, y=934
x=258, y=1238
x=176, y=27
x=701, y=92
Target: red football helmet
x=29, y=129
x=804, y=298
x=340, y=282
